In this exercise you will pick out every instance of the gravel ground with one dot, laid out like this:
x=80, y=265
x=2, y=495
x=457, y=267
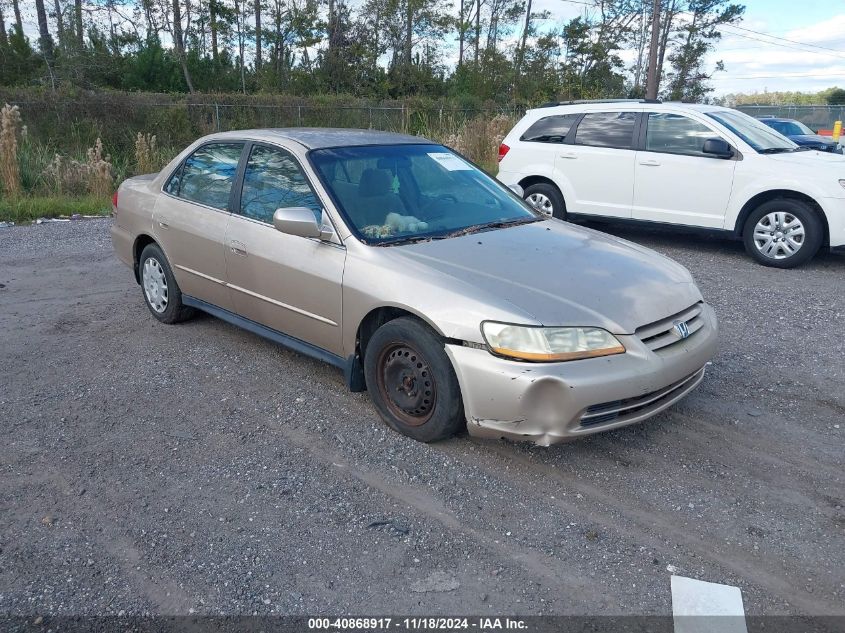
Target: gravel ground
x=198, y=468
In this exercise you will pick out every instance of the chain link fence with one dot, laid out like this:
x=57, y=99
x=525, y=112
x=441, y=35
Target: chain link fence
x=74, y=124
x=818, y=117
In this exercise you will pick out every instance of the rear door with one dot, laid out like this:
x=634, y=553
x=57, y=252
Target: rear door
x=676, y=182
x=598, y=162
x=190, y=220
x=288, y=283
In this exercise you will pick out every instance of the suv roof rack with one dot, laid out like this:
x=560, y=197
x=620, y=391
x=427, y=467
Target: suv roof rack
x=552, y=104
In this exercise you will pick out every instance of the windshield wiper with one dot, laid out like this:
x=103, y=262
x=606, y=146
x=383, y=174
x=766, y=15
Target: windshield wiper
x=474, y=228
x=777, y=150
x=414, y=239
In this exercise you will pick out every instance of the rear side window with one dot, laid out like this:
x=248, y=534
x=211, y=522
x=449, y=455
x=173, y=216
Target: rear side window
x=676, y=134
x=550, y=129
x=274, y=180
x=607, y=129
x=207, y=175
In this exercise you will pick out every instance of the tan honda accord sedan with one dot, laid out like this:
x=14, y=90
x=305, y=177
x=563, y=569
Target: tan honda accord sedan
x=427, y=282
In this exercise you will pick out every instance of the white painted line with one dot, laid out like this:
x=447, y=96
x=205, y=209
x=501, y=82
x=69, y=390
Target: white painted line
x=706, y=607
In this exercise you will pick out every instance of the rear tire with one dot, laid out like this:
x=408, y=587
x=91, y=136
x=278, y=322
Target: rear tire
x=411, y=381
x=783, y=233
x=159, y=287
x=547, y=199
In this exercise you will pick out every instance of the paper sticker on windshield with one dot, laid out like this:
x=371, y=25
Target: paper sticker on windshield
x=450, y=161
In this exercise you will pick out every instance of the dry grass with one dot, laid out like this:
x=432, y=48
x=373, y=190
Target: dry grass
x=145, y=153
x=10, y=124
x=73, y=177
x=479, y=139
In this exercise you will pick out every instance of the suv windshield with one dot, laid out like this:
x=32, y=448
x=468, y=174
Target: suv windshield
x=757, y=134
x=399, y=193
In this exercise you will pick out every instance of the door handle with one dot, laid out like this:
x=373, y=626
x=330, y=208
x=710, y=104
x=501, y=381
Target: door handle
x=649, y=163
x=570, y=155
x=162, y=223
x=238, y=248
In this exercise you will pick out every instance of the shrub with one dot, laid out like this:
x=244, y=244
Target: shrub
x=10, y=121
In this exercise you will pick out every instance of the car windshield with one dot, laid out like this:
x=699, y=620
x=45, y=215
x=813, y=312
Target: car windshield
x=757, y=134
x=398, y=193
x=791, y=128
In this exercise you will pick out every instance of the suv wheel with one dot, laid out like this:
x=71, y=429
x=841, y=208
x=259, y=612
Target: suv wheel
x=161, y=292
x=411, y=381
x=783, y=233
x=547, y=199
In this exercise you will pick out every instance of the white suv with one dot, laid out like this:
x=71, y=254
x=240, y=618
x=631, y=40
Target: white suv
x=671, y=163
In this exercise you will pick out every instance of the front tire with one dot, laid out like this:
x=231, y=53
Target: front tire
x=547, y=199
x=411, y=381
x=159, y=287
x=783, y=233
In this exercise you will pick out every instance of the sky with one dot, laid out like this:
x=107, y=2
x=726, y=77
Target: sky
x=755, y=60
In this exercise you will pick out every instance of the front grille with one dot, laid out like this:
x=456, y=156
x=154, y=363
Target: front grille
x=663, y=333
x=620, y=409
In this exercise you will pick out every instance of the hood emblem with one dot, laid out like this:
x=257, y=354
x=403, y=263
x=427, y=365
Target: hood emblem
x=681, y=329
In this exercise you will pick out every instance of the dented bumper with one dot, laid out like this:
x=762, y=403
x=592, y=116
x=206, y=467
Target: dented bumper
x=548, y=403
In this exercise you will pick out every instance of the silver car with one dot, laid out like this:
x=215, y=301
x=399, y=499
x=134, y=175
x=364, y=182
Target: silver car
x=427, y=282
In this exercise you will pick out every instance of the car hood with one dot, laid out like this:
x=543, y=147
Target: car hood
x=812, y=139
x=809, y=158
x=560, y=274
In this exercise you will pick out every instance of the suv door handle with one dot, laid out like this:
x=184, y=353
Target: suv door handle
x=650, y=163
x=569, y=155
x=238, y=248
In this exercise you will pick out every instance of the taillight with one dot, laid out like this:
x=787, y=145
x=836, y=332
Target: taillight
x=114, y=203
x=503, y=149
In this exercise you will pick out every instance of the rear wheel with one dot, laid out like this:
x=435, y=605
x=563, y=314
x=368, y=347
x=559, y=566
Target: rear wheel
x=411, y=381
x=161, y=292
x=547, y=199
x=783, y=233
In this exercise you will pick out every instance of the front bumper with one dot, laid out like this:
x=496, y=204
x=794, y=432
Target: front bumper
x=548, y=403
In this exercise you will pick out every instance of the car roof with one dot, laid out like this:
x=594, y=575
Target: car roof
x=776, y=119
x=319, y=137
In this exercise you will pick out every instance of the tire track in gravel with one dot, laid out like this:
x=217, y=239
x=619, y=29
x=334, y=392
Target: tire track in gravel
x=535, y=563
x=152, y=582
x=776, y=581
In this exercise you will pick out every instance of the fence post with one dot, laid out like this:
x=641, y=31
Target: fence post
x=370, y=110
x=299, y=115
x=217, y=117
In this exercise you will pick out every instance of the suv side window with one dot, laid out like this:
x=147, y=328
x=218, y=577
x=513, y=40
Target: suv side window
x=550, y=129
x=676, y=134
x=607, y=129
x=273, y=180
x=207, y=175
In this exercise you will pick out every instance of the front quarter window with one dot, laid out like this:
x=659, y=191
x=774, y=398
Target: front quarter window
x=396, y=193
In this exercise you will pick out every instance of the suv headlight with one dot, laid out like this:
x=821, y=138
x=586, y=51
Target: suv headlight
x=549, y=344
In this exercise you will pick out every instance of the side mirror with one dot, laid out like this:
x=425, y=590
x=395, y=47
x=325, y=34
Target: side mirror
x=718, y=148
x=300, y=221
x=518, y=190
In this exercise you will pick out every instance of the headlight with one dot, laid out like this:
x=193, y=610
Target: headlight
x=842, y=182
x=549, y=344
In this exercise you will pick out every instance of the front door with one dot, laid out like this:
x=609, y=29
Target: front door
x=190, y=221
x=675, y=181
x=288, y=283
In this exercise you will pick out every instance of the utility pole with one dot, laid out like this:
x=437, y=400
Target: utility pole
x=652, y=79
